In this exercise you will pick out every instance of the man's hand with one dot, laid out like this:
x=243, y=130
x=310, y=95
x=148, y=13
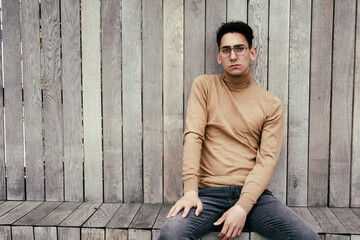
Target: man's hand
x=188, y=201
x=234, y=221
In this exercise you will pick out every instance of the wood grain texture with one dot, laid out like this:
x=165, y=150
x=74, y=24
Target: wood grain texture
x=13, y=101
x=5, y=231
x=92, y=233
x=146, y=216
x=2, y=137
x=37, y=214
x=305, y=214
x=80, y=215
x=18, y=212
x=102, y=216
x=237, y=10
x=45, y=233
x=161, y=218
x=173, y=98
x=348, y=219
x=341, y=107
x=258, y=20
x=65, y=233
x=327, y=220
x=215, y=17
x=21, y=232
x=256, y=236
x=152, y=101
x=194, y=47
x=355, y=171
x=278, y=83
x=116, y=234
x=336, y=237
x=71, y=79
x=7, y=206
x=124, y=215
x=32, y=100
x=139, y=234
x=355, y=237
x=320, y=92
x=112, y=115
x=90, y=28
x=299, y=81
x=59, y=214
x=132, y=129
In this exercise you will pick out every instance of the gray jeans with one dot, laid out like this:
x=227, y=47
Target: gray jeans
x=269, y=217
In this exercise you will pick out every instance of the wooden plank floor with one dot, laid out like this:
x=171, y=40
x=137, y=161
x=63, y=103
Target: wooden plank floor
x=96, y=220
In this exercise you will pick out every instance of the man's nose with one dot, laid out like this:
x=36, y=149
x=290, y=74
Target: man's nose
x=232, y=54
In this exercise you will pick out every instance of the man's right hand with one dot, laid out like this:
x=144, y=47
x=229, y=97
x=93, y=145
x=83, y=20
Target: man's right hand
x=188, y=201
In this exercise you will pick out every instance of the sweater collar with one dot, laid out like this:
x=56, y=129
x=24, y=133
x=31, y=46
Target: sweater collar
x=236, y=82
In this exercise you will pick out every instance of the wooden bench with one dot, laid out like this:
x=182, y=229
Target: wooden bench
x=94, y=100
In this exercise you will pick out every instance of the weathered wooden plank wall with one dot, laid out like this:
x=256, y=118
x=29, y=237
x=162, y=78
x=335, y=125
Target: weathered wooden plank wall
x=95, y=95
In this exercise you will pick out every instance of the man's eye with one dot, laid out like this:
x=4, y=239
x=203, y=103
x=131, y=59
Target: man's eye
x=225, y=50
x=239, y=49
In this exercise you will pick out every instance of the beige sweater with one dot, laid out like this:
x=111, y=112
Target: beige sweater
x=233, y=136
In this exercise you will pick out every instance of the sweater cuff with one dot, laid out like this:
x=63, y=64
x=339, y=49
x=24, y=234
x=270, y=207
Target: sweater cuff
x=191, y=185
x=246, y=203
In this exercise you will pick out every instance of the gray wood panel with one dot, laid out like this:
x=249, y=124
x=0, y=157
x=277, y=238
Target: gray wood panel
x=320, y=92
x=336, y=237
x=194, y=47
x=80, y=215
x=341, y=107
x=278, y=83
x=299, y=82
x=355, y=173
x=102, y=216
x=173, y=98
x=91, y=79
x=45, y=233
x=32, y=100
x=71, y=80
x=92, y=233
x=237, y=10
x=116, y=234
x=2, y=135
x=155, y=234
x=348, y=219
x=53, y=120
x=66, y=233
x=7, y=206
x=5, y=231
x=305, y=214
x=139, y=234
x=215, y=16
x=152, y=101
x=37, y=214
x=161, y=218
x=356, y=211
x=112, y=115
x=355, y=237
x=258, y=20
x=132, y=118
x=59, y=214
x=22, y=233
x=13, y=101
x=18, y=212
x=124, y=215
x=146, y=216
x=327, y=220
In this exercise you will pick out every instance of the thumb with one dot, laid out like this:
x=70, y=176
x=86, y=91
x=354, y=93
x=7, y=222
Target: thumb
x=199, y=208
x=220, y=220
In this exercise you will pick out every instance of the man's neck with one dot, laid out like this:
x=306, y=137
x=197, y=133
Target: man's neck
x=237, y=82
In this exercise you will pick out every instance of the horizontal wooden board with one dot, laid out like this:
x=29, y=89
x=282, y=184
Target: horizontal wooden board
x=305, y=214
x=327, y=220
x=102, y=216
x=80, y=215
x=348, y=219
x=146, y=216
x=59, y=214
x=7, y=206
x=124, y=216
x=37, y=214
x=18, y=212
x=161, y=218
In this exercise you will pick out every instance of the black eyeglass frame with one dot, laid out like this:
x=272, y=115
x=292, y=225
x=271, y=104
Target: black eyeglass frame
x=233, y=48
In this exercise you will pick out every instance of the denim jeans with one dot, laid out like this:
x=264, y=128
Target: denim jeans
x=269, y=217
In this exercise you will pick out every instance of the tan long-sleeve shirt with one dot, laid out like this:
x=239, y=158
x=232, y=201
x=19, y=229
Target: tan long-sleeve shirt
x=233, y=136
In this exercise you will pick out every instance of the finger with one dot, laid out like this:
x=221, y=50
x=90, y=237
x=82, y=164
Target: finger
x=199, y=208
x=186, y=211
x=223, y=231
x=170, y=212
x=219, y=221
x=239, y=232
x=176, y=211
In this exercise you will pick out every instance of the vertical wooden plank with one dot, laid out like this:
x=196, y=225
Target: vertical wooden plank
x=116, y=234
x=355, y=171
x=112, y=116
x=90, y=28
x=336, y=237
x=299, y=73
x=194, y=47
x=13, y=101
x=53, y=122
x=152, y=100
x=5, y=231
x=71, y=78
x=2, y=143
x=65, y=233
x=22, y=233
x=215, y=16
x=237, y=10
x=342, y=99
x=32, y=100
x=131, y=49
x=256, y=236
x=258, y=20
x=92, y=233
x=45, y=233
x=355, y=237
x=139, y=234
x=319, y=119
x=278, y=82
x=173, y=98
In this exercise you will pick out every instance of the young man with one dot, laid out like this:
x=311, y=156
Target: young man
x=232, y=142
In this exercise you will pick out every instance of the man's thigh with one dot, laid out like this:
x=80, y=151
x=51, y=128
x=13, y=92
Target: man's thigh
x=274, y=220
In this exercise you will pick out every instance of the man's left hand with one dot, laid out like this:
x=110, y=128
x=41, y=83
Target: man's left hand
x=234, y=221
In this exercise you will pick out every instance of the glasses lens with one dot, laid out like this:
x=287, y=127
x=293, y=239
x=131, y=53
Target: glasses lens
x=240, y=50
x=225, y=52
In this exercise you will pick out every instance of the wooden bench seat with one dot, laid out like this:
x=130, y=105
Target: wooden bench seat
x=96, y=220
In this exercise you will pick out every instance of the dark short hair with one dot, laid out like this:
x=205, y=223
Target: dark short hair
x=237, y=26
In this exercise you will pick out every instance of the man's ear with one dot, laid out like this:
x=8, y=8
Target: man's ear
x=253, y=53
x=218, y=57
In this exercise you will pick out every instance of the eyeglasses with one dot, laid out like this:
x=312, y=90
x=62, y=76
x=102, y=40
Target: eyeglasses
x=239, y=50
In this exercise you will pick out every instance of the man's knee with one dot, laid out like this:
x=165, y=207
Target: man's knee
x=174, y=229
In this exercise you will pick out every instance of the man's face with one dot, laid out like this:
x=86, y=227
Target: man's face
x=233, y=64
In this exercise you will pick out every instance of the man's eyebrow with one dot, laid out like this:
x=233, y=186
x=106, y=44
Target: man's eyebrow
x=237, y=45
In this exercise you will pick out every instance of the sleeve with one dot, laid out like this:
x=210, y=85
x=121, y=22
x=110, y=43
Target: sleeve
x=196, y=119
x=266, y=157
